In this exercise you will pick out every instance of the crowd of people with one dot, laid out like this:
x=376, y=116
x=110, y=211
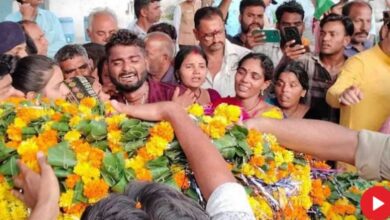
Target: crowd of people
x=153, y=70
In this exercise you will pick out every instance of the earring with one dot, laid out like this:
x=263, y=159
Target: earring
x=262, y=92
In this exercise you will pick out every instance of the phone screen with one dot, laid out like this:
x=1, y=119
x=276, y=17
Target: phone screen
x=292, y=33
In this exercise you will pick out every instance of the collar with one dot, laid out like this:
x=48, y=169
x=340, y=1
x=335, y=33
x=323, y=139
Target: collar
x=366, y=44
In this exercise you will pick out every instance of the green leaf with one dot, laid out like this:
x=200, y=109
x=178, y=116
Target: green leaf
x=129, y=174
x=239, y=132
x=225, y=142
x=61, y=172
x=159, y=168
x=9, y=168
x=62, y=156
x=98, y=129
x=60, y=126
x=84, y=127
x=102, y=145
x=132, y=146
x=113, y=166
x=120, y=186
x=78, y=195
x=244, y=145
x=5, y=152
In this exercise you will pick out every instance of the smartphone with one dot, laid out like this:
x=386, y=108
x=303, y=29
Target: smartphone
x=292, y=33
x=272, y=35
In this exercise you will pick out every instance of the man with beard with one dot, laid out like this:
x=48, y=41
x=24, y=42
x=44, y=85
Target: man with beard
x=362, y=89
x=147, y=12
x=251, y=18
x=360, y=13
x=127, y=69
x=288, y=14
x=335, y=34
x=73, y=61
x=222, y=55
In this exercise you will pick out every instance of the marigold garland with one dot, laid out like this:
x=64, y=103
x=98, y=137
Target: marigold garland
x=95, y=151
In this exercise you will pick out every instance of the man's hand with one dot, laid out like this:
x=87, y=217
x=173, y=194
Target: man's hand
x=40, y=192
x=351, y=96
x=186, y=99
x=28, y=12
x=294, y=52
x=152, y=112
x=254, y=39
x=37, y=188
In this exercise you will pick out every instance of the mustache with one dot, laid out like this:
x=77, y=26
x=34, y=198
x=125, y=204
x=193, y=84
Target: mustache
x=362, y=32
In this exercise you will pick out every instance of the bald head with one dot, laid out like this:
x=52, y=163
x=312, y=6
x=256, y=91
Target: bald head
x=37, y=35
x=160, y=51
x=163, y=41
x=102, y=24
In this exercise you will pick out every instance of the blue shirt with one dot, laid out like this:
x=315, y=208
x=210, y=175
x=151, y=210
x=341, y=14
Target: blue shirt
x=350, y=50
x=233, y=26
x=50, y=25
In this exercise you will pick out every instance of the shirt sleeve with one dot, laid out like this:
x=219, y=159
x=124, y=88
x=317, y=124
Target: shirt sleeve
x=177, y=19
x=350, y=75
x=229, y=201
x=58, y=38
x=372, y=158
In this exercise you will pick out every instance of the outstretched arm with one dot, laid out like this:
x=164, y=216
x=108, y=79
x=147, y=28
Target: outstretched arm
x=209, y=167
x=322, y=139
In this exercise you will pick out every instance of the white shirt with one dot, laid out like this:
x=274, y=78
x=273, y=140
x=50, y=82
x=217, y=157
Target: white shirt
x=223, y=81
x=229, y=202
x=133, y=27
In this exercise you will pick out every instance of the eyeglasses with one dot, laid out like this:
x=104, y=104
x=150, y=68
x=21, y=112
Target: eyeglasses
x=215, y=34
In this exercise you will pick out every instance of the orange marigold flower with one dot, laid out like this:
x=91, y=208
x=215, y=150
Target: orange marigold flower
x=88, y=102
x=144, y=154
x=143, y=174
x=96, y=157
x=181, y=179
x=257, y=161
x=13, y=144
x=47, y=139
x=254, y=137
x=163, y=130
x=14, y=133
x=95, y=190
x=56, y=116
x=76, y=209
x=71, y=181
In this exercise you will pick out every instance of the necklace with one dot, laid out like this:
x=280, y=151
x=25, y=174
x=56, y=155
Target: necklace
x=143, y=98
x=198, y=96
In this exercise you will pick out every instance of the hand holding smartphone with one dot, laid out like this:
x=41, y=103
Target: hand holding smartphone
x=292, y=33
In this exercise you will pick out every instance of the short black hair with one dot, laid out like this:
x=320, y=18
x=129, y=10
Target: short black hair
x=290, y=6
x=265, y=62
x=165, y=28
x=31, y=48
x=299, y=71
x=348, y=7
x=206, y=13
x=248, y=3
x=140, y=4
x=346, y=21
x=96, y=52
x=126, y=38
x=7, y=64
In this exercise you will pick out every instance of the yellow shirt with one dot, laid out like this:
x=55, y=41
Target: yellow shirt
x=370, y=72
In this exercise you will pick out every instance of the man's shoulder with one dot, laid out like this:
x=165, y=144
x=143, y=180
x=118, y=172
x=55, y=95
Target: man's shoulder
x=232, y=48
x=14, y=16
